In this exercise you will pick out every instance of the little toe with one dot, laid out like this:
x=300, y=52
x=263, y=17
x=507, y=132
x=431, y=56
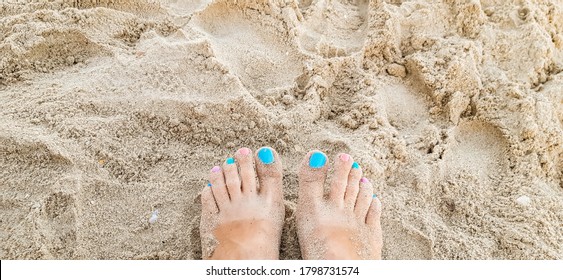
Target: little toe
x=312, y=175
x=247, y=173
x=270, y=173
x=218, y=187
x=373, y=217
x=232, y=178
x=208, y=204
x=373, y=221
x=342, y=166
x=353, y=186
x=365, y=196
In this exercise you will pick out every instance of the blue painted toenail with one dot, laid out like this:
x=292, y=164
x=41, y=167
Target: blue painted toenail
x=266, y=155
x=317, y=160
x=230, y=160
x=209, y=184
x=374, y=196
x=355, y=165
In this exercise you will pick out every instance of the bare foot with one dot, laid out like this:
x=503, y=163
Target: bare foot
x=242, y=216
x=347, y=224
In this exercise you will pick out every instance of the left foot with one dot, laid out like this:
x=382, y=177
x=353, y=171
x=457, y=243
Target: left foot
x=242, y=208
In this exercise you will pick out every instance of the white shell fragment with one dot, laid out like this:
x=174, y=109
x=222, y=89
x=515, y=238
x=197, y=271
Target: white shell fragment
x=524, y=200
x=154, y=217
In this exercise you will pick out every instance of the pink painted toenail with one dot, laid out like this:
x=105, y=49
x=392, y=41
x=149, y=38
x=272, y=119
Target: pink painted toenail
x=344, y=157
x=364, y=180
x=244, y=151
x=215, y=169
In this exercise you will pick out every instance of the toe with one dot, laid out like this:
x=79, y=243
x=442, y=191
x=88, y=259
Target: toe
x=218, y=187
x=269, y=170
x=374, y=213
x=208, y=204
x=247, y=173
x=312, y=175
x=373, y=221
x=342, y=166
x=232, y=178
x=353, y=186
x=365, y=196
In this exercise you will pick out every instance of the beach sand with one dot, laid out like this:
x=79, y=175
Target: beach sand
x=113, y=112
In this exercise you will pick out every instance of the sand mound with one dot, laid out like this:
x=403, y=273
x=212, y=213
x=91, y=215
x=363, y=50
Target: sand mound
x=114, y=109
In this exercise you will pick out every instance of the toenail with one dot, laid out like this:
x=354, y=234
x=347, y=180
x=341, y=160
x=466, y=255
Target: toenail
x=209, y=184
x=244, y=151
x=344, y=157
x=364, y=180
x=215, y=169
x=317, y=160
x=230, y=160
x=355, y=165
x=266, y=155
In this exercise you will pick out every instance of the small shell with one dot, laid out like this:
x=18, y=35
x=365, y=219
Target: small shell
x=154, y=217
x=524, y=200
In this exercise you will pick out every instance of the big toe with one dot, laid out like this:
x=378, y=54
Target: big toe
x=312, y=175
x=269, y=170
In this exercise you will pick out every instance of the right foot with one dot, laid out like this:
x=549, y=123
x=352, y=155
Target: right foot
x=347, y=224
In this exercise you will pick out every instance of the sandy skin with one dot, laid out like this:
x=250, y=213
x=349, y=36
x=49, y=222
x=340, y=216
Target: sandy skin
x=346, y=225
x=242, y=209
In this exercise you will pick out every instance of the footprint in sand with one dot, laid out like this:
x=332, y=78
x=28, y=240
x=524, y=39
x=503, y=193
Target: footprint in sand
x=333, y=28
x=403, y=243
x=49, y=50
x=407, y=111
x=48, y=227
x=60, y=226
x=139, y=6
x=478, y=149
x=184, y=7
x=245, y=40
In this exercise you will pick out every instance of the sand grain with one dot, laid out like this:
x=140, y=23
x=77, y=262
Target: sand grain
x=112, y=110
